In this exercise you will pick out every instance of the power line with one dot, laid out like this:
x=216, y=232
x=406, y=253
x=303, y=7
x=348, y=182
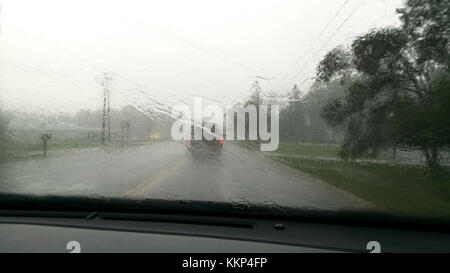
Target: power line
x=96, y=69
x=318, y=38
x=323, y=45
x=106, y=118
x=334, y=17
x=339, y=28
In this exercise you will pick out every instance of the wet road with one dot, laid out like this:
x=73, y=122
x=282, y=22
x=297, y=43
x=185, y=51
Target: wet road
x=167, y=171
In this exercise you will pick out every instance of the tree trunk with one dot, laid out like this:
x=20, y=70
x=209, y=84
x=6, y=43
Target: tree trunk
x=432, y=158
x=394, y=153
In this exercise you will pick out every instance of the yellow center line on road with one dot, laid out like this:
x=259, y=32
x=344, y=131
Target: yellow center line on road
x=142, y=187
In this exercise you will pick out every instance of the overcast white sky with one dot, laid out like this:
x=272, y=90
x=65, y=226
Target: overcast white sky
x=51, y=52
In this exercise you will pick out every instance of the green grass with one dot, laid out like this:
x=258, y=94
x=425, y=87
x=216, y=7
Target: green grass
x=31, y=149
x=319, y=150
x=400, y=189
x=308, y=149
x=405, y=190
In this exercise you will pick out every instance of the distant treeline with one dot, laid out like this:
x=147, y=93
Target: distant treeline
x=21, y=133
x=301, y=121
x=84, y=120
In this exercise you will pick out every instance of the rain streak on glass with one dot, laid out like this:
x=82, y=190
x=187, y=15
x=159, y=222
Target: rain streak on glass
x=318, y=105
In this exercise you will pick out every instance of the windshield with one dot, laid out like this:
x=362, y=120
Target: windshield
x=312, y=105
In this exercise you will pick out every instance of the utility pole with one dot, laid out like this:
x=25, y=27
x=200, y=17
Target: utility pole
x=125, y=125
x=255, y=99
x=106, y=118
x=45, y=138
x=122, y=126
x=109, y=114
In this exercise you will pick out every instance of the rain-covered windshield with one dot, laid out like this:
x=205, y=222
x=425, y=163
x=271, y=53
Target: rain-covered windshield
x=325, y=105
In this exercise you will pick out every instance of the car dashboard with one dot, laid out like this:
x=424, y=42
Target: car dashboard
x=66, y=232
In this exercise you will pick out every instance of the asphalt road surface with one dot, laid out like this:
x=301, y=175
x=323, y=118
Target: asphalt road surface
x=168, y=171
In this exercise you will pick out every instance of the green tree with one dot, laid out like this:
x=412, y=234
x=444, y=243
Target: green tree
x=398, y=79
x=301, y=121
x=425, y=127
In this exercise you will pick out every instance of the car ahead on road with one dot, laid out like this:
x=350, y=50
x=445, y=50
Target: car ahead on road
x=211, y=143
